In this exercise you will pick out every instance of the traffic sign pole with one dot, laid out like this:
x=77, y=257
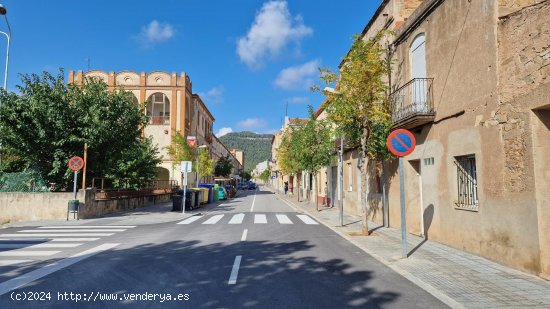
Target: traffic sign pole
x=75, y=180
x=402, y=143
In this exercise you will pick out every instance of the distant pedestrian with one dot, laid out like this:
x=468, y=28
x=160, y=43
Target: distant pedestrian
x=286, y=187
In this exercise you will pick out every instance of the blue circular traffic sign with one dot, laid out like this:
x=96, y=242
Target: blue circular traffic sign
x=401, y=142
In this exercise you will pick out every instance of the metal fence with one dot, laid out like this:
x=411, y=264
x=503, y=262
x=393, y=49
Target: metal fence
x=25, y=181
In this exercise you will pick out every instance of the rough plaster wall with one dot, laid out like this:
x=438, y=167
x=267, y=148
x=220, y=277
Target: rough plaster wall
x=524, y=66
x=506, y=7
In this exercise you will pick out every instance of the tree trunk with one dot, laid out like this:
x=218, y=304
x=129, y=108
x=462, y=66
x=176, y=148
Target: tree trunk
x=364, y=177
x=298, y=176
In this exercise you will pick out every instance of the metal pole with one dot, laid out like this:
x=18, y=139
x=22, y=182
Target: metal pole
x=403, y=218
x=74, y=185
x=184, y=191
x=85, y=163
x=341, y=181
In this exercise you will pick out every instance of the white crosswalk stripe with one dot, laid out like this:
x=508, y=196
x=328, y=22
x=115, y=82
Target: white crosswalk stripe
x=306, y=219
x=37, y=243
x=190, y=220
x=213, y=219
x=237, y=219
x=259, y=218
x=283, y=219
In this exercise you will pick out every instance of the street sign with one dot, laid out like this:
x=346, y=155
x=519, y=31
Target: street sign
x=192, y=141
x=401, y=142
x=76, y=163
x=186, y=166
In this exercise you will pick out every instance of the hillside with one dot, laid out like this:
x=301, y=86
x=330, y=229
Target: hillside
x=256, y=147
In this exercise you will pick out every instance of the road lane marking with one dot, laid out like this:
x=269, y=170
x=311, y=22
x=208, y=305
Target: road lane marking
x=27, y=278
x=88, y=227
x=72, y=231
x=190, y=220
x=237, y=219
x=235, y=270
x=74, y=239
x=307, y=219
x=13, y=262
x=213, y=219
x=28, y=253
x=253, y=201
x=245, y=232
x=260, y=219
x=57, y=235
x=283, y=219
x=32, y=246
x=49, y=239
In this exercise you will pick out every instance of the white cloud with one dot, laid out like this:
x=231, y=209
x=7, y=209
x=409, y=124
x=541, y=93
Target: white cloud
x=272, y=30
x=297, y=100
x=252, y=123
x=155, y=33
x=298, y=77
x=214, y=95
x=223, y=131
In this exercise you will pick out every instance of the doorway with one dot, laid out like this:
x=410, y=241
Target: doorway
x=334, y=185
x=413, y=194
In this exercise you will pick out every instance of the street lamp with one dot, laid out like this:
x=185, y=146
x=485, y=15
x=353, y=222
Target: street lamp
x=4, y=12
x=340, y=165
x=198, y=162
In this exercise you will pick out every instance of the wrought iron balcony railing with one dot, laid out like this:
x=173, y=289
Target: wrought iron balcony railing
x=412, y=104
x=159, y=120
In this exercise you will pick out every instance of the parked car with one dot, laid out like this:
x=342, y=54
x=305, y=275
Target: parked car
x=222, y=193
x=244, y=185
x=252, y=186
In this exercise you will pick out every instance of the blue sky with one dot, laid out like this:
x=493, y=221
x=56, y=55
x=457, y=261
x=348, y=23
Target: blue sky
x=246, y=58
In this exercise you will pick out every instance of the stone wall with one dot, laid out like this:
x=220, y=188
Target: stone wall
x=17, y=207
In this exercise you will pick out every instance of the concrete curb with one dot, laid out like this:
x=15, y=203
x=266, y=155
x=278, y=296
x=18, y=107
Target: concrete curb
x=423, y=285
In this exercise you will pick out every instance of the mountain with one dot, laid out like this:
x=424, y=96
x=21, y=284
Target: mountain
x=256, y=147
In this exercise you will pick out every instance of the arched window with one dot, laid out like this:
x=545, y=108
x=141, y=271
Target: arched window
x=158, y=109
x=418, y=73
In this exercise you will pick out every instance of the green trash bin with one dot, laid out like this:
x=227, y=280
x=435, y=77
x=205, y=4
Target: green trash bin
x=216, y=196
x=72, y=207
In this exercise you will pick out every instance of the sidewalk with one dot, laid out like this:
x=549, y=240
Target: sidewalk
x=458, y=278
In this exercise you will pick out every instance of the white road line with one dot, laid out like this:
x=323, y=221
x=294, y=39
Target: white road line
x=28, y=253
x=306, y=219
x=260, y=219
x=72, y=231
x=27, y=278
x=235, y=270
x=253, y=201
x=13, y=262
x=58, y=235
x=32, y=246
x=283, y=219
x=74, y=239
x=88, y=227
x=237, y=219
x=245, y=232
x=190, y=220
x=48, y=239
x=213, y=219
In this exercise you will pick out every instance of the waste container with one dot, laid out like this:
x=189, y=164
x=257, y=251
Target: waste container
x=204, y=195
x=210, y=188
x=216, y=195
x=189, y=199
x=176, y=201
x=197, y=198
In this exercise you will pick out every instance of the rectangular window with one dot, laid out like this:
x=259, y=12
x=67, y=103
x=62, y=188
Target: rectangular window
x=466, y=178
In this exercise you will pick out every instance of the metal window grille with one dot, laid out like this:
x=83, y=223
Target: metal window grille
x=466, y=178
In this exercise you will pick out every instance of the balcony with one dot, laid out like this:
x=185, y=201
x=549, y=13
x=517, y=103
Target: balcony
x=412, y=105
x=159, y=120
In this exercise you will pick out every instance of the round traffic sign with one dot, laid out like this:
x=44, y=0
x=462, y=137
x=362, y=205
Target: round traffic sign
x=401, y=142
x=76, y=163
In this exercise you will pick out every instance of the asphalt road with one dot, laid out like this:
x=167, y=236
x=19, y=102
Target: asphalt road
x=251, y=252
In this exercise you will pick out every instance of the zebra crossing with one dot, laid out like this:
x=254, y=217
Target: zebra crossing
x=256, y=218
x=45, y=241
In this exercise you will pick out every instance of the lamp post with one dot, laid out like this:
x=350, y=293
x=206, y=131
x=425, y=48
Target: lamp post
x=4, y=12
x=340, y=166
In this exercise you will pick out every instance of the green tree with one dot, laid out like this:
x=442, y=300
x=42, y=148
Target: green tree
x=205, y=164
x=317, y=145
x=180, y=150
x=247, y=175
x=48, y=122
x=360, y=107
x=223, y=167
x=290, y=152
x=265, y=175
